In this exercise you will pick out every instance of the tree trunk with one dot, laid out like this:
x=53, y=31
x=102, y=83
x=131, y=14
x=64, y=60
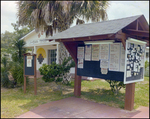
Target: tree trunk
x=63, y=53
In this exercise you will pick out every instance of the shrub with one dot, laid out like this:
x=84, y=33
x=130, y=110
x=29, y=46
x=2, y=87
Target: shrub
x=17, y=73
x=4, y=77
x=4, y=73
x=115, y=86
x=55, y=72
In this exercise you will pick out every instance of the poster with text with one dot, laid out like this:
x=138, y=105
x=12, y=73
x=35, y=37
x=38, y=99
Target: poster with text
x=80, y=63
x=95, y=52
x=104, y=51
x=29, y=63
x=114, y=57
x=103, y=63
x=88, y=52
x=80, y=53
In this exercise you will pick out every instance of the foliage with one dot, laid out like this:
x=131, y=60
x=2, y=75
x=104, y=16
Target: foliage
x=55, y=72
x=12, y=45
x=19, y=50
x=6, y=39
x=115, y=86
x=146, y=64
x=17, y=73
x=59, y=14
x=4, y=73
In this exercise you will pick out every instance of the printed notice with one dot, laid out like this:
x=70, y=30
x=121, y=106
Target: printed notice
x=122, y=59
x=80, y=54
x=114, y=57
x=104, y=70
x=103, y=63
x=29, y=63
x=95, y=52
x=88, y=52
x=104, y=51
x=80, y=63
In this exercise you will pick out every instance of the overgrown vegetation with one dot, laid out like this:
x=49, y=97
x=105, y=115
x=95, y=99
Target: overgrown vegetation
x=12, y=46
x=4, y=72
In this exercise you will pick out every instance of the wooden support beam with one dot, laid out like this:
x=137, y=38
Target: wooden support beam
x=137, y=27
x=122, y=36
x=136, y=33
x=141, y=25
x=77, y=83
x=129, y=96
x=72, y=49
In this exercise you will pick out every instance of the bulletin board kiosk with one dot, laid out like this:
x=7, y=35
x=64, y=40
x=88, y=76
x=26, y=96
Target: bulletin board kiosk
x=30, y=69
x=113, y=50
x=111, y=61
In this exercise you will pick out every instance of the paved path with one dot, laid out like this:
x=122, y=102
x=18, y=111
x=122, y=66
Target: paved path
x=73, y=107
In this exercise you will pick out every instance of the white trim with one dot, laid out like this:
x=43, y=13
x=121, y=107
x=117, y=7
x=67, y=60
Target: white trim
x=27, y=34
x=99, y=42
x=48, y=43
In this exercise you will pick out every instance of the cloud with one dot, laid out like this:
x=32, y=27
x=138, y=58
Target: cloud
x=8, y=15
x=127, y=8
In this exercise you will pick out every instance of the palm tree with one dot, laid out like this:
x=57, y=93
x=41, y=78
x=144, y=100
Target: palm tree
x=59, y=14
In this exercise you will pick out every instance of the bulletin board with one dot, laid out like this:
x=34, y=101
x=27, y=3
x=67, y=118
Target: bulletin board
x=135, y=57
x=29, y=68
x=101, y=61
x=109, y=61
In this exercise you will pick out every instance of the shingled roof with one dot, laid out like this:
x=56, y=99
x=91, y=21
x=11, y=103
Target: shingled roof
x=98, y=28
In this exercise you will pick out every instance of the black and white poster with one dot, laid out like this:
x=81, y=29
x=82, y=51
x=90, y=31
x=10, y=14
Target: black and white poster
x=134, y=58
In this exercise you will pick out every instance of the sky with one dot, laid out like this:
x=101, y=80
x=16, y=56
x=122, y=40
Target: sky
x=116, y=10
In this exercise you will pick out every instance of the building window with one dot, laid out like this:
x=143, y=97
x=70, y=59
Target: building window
x=51, y=56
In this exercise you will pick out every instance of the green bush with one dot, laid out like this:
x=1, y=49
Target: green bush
x=4, y=72
x=4, y=77
x=146, y=64
x=115, y=86
x=17, y=73
x=55, y=72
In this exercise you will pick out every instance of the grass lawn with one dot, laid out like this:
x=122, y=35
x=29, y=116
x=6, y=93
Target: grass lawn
x=14, y=102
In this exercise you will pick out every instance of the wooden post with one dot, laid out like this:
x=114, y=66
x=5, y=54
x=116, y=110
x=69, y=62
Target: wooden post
x=35, y=88
x=77, y=83
x=129, y=96
x=35, y=84
x=24, y=84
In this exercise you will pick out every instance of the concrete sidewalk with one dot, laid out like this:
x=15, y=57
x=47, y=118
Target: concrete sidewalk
x=73, y=107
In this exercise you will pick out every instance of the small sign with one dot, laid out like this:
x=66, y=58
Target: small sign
x=104, y=70
x=29, y=61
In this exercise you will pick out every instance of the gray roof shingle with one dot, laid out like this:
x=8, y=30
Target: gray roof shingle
x=98, y=28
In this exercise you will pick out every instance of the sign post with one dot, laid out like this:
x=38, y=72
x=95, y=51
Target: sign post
x=30, y=69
